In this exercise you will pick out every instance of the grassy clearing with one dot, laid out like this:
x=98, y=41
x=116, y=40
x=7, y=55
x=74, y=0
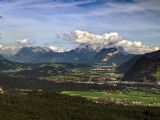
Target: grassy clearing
x=146, y=98
x=86, y=94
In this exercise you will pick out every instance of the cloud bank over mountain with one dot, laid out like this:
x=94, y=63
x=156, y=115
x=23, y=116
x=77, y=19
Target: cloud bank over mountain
x=78, y=37
x=12, y=49
x=24, y=42
x=107, y=40
x=20, y=43
x=6, y=49
x=56, y=48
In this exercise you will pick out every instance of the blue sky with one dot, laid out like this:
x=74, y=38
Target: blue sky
x=41, y=20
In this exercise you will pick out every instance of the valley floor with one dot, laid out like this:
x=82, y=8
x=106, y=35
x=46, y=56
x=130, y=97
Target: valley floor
x=67, y=92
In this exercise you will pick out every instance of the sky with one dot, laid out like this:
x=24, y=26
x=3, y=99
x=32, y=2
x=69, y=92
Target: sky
x=47, y=22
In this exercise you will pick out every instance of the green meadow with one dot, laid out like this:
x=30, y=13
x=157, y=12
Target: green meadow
x=140, y=96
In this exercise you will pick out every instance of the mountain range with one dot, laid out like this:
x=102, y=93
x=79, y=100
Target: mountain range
x=82, y=54
x=140, y=68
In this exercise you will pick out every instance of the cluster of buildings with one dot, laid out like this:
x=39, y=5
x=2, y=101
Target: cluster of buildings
x=102, y=68
x=117, y=101
x=2, y=90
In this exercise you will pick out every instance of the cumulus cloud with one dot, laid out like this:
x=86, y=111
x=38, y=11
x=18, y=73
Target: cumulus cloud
x=6, y=49
x=24, y=42
x=136, y=47
x=12, y=49
x=56, y=48
x=107, y=40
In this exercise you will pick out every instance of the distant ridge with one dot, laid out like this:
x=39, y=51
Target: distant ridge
x=144, y=68
x=83, y=54
x=6, y=64
x=126, y=66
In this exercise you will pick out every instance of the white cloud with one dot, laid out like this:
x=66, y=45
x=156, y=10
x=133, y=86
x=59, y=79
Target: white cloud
x=24, y=42
x=107, y=40
x=136, y=47
x=56, y=48
x=128, y=7
x=6, y=49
